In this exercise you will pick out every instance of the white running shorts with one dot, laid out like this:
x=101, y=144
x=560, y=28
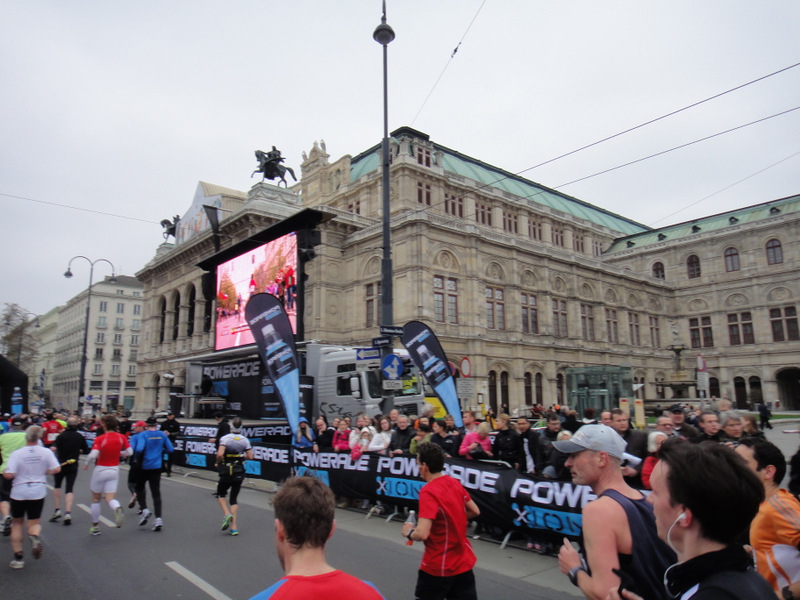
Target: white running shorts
x=104, y=480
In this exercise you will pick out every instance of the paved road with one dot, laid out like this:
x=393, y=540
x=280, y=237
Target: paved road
x=191, y=558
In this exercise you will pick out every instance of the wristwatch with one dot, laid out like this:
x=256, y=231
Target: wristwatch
x=787, y=594
x=409, y=534
x=573, y=574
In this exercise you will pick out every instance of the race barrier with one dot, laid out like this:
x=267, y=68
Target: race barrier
x=507, y=499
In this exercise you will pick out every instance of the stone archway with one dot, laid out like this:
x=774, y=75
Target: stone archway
x=788, y=381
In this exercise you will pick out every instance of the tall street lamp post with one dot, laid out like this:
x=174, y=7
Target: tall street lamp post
x=384, y=35
x=68, y=274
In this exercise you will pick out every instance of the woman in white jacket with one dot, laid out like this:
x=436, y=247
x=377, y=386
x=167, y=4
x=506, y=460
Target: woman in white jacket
x=380, y=441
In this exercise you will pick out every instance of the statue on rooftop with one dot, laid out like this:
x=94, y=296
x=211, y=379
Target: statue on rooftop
x=270, y=167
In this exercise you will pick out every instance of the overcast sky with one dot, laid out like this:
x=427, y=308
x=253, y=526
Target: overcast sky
x=119, y=109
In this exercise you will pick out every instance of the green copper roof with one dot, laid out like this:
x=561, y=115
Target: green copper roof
x=485, y=175
x=718, y=222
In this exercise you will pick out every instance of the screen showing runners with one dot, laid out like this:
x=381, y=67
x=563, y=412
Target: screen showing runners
x=271, y=268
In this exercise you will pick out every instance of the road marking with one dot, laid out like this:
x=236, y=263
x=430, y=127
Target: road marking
x=197, y=581
x=103, y=520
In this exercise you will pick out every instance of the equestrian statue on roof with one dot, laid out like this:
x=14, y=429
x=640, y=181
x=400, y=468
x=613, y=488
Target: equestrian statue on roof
x=269, y=165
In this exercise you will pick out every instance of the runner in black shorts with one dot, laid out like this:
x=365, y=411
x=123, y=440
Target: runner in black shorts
x=68, y=446
x=234, y=448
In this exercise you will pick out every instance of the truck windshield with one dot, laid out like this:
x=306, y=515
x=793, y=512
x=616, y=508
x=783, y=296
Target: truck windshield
x=411, y=384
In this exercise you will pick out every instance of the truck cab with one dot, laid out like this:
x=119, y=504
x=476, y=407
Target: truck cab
x=345, y=386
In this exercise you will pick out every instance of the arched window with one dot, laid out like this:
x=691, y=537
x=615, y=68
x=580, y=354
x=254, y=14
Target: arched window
x=176, y=317
x=713, y=387
x=774, y=252
x=560, y=389
x=658, y=270
x=493, y=390
x=504, y=407
x=693, y=266
x=528, y=390
x=538, y=387
x=163, y=323
x=731, y=259
x=740, y=392
x=756, y=396
x=190, y=317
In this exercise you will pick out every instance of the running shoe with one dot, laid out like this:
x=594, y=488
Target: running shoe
x=145, y=515
x=132, y=503
x=157, y=524
x=234, y=532
x=17, y=563
x=119, y=516
x=94, y=530
x=36, y=546
x=7, y=526
x=67, y=519
x=56, y=516
x=226, y=522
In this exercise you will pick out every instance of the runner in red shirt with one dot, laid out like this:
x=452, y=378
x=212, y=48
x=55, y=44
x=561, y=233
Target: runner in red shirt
x=51, y=429
x=444, y=508
x=107, y=449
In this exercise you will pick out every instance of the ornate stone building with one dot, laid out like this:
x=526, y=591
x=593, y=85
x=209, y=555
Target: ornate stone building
x=524, y=281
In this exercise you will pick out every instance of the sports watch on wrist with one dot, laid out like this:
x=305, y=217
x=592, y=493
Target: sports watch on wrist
x=573, y=574
x=787, y=594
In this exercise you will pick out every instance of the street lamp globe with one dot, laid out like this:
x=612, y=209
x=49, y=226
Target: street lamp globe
x=383, y=34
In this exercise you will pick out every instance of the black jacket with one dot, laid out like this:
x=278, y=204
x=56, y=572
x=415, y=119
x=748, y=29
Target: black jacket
x=722, y=575
x=544, y=448
x=401, y=440
x=507, y=446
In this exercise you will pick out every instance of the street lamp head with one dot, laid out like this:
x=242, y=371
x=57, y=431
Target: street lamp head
x=383, y=33
x=68, y=274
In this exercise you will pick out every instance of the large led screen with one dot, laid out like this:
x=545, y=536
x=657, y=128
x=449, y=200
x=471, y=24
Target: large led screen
x=270, y=268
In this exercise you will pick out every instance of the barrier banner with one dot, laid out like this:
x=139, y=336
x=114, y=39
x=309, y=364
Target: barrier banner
x=425, y=350
x=507, y=499
x=272, y=331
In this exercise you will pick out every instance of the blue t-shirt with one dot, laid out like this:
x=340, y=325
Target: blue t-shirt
x=149, y=447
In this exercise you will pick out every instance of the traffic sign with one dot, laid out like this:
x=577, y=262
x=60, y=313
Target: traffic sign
x=389, y=330
x=379, y=342
x=368, y=353
x=466, y=367
x=392, y=384
x=465, y=387
x=392, y=367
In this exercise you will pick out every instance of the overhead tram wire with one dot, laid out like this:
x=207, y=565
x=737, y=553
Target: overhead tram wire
x=775, y=164
x=703, y=139
x=661, y=118
x=621, y=133
x=633, y=162
x=99, y=212
x=447, y=64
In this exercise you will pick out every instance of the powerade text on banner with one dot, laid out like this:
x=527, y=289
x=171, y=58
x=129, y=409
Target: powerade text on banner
x=426, y=352
x=272, y=331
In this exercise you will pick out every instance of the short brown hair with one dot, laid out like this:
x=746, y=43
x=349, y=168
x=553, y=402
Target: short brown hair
x=305, y=507
x=110, y=423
